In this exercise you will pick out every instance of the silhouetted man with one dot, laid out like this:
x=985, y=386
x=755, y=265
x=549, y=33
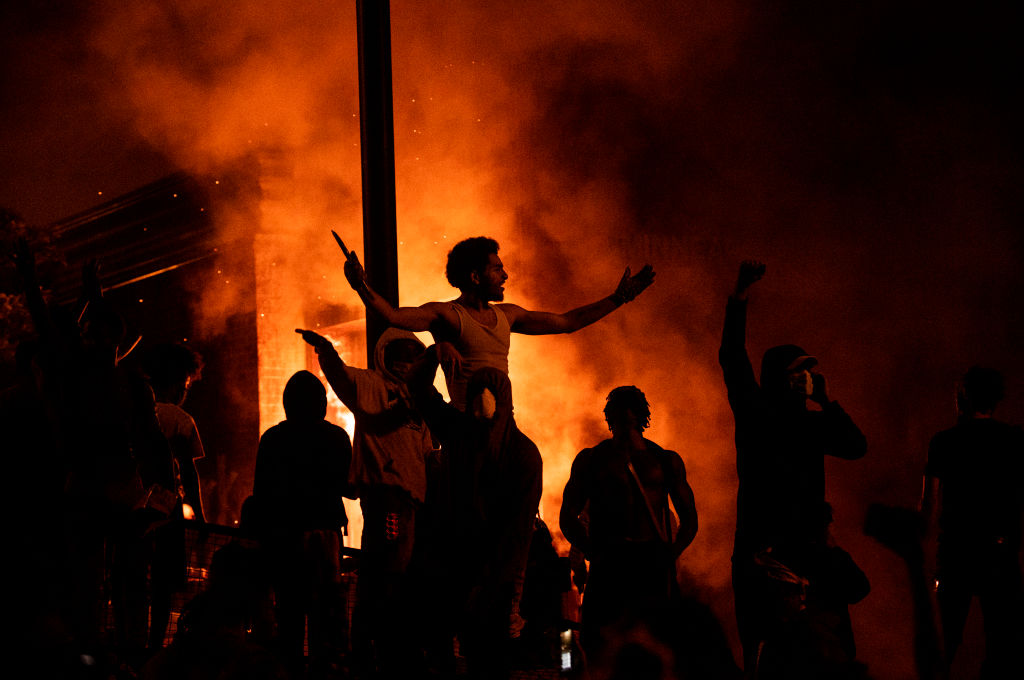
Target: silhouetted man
x=780, y=449
x=974, y=492
x=388, y=474
x=301, y=468
x=171, y=369
x=478, y=330
x=118, y=477
x=627, y=481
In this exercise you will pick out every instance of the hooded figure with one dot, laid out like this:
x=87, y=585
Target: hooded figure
x=388, y=475
x=391, y=442
x=298, y=487
x=494, y=477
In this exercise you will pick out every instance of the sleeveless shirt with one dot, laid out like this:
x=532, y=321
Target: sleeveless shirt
x=480, y=346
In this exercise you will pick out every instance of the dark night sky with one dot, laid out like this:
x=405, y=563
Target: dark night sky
x=870, y=152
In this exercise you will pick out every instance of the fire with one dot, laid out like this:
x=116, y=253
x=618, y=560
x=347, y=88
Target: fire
x=215, y=86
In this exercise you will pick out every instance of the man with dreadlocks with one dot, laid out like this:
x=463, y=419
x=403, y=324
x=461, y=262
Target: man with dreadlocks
x=624, y=484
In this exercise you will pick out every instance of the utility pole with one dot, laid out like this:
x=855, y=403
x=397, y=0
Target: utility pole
x=377, y=138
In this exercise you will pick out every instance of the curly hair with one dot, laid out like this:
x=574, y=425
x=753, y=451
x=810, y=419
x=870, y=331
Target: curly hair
x=466, y=257
x=629, y=398
x=171, y=363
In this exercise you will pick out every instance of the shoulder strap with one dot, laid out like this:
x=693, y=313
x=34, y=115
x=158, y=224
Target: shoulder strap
x=647, y=503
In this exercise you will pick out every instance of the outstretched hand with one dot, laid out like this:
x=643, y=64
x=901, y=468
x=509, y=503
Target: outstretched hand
x=354, y=272
x=631, y=286
x=751, y=271
x=315, y=340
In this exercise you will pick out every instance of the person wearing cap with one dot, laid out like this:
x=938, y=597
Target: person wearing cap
x=780, y=450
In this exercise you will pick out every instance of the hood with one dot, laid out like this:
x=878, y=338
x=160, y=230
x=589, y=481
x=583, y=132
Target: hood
x=386, y=338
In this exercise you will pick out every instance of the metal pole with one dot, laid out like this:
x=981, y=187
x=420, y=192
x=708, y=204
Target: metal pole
x=377, y=137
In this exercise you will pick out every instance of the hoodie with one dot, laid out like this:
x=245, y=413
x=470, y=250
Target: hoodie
x=391, y=441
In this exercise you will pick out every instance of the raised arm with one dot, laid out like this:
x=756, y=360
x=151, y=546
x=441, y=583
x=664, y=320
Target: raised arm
x=546, y=323
x=732, y=354
x=332, y=366
x=426, y=317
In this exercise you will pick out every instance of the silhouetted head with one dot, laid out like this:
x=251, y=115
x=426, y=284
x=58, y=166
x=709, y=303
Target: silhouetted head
x=305, y=397
x=786, y=372
x=171, y=369
x=396, y=354
x=982, y=389
x=627, y=409
x=474, y=266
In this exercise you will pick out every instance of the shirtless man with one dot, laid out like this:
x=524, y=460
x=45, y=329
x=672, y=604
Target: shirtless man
x=478, y=330
x=624, y=484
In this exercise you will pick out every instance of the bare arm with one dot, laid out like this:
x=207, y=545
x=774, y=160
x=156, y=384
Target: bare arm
x=686, y=508
x=426, y=317
x=332, y=366
x=574, y=499
x=546, y=323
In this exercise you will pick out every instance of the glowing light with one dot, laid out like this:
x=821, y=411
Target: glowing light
x=187, y=511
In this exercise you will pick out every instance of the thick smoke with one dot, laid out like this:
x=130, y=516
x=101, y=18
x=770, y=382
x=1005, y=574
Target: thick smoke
x=869, y=154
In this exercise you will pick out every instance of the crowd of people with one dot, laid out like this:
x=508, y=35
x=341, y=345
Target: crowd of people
x=453, y=551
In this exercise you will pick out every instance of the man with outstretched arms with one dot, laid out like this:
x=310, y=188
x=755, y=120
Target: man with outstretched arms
x=478, y=330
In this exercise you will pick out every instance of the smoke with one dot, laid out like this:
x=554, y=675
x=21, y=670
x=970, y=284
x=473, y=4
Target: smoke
x=870, y=155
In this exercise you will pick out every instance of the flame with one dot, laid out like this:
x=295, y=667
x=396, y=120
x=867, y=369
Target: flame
x=213, y=85
x=586, y=135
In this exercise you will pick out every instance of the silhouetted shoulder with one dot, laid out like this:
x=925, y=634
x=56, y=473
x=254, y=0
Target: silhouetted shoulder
x=670, y=460
x=335, y=431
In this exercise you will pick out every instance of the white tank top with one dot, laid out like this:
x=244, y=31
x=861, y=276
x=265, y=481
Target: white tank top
x=480, y=346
